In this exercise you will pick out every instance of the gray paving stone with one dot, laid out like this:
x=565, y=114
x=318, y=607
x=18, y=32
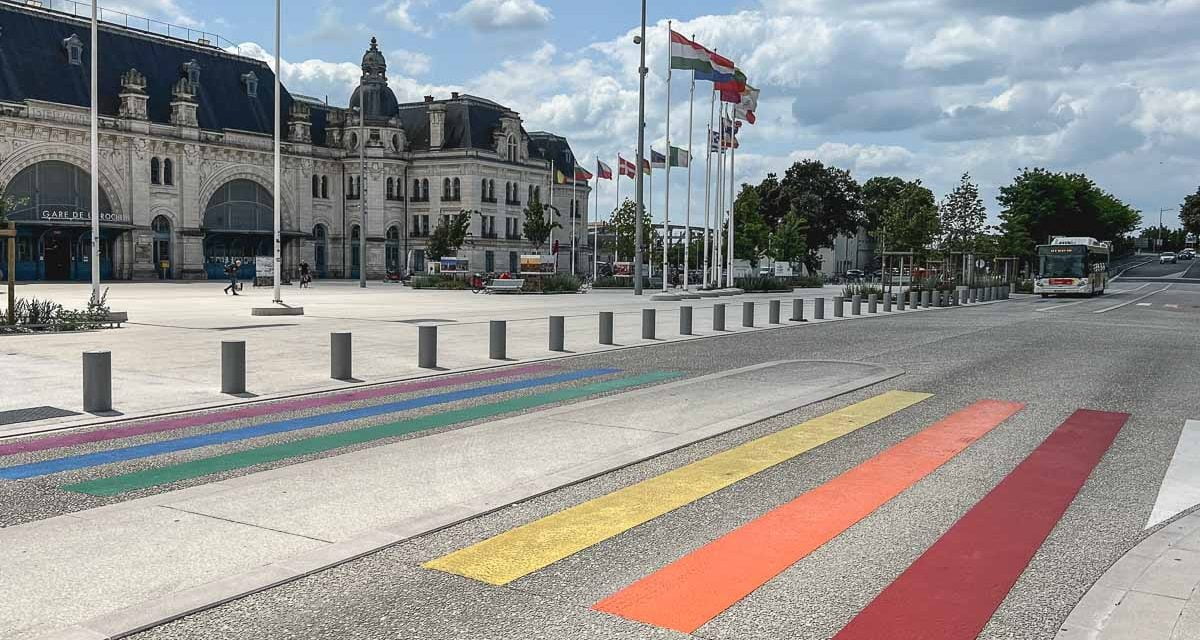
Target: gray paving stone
x=1143, y=616
x=1175, y=574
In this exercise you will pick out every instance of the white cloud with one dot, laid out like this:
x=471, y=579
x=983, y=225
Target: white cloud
x=413, y=63
x=166, y=10
x=398, y=13
x=498, y=15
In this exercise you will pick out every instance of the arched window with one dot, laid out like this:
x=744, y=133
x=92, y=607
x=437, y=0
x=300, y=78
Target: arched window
x=483, y=194
x=537, y=194
x=507, y=192
x=531, y=193
x=155, y=171
x=457, y=190
x=512, y=148
x=316, y=186
x=168, y=172
x=492, y=190
x=416, y=189
x=425, y=189
x=392, y=249
x=55, y=185
x=240, y=205
x=446, y=189
x=391, y=185
x=324, y=187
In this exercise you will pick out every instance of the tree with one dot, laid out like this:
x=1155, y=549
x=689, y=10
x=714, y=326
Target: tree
x=878, y=195
x=826, y=198
x=788, y=242
x=910, y=221
x=963, y=217
x=624, y=226
x=1039, y=205
x=751, y=232
x=448, y=236
x=1189, y=212
x=538, y=226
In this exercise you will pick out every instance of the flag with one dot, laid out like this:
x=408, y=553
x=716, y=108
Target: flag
x=731, y=91
x=749, y=104
x=657, y=160
x=582, y=174
x=688, y=55
x=646, y=166
x=679, y=157
x=714, y=76
x=604, y=171
x=626, y=168
x=559, y=178
x=714, y=144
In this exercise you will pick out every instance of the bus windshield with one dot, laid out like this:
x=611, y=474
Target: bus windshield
x=1062, y=266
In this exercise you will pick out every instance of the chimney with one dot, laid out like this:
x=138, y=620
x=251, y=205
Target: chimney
x=428, y=98
x=454, y=95
x=437, y=125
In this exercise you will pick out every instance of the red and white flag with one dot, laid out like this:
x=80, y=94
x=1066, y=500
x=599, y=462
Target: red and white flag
x=603, y=171
x=626, y=168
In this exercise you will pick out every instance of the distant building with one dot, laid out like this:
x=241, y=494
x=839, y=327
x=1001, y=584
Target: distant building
x=186, y=168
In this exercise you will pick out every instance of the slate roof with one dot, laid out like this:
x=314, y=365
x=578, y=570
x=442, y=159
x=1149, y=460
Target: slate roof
x=549, y=146
x=470, y=123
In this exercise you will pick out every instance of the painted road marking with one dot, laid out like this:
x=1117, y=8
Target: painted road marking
x=1135, y=300
x=318, y=444
x=83, y=461
x=1180, y=489
x=254, y=411
x=689, y=592
x=521, y=551
x=1062, y=305
x=1171, y=306
x=953, y=589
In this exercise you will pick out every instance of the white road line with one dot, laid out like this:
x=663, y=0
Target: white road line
x=1122, y=271
x=1180, y=489
x=1137, y=299
x=1143, y=304
x=1171, y=306
x=1060, y=306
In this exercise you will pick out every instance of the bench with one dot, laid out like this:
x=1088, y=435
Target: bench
x=505, y=286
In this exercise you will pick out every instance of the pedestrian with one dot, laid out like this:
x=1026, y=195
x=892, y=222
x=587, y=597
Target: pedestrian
x=231, y=271
x=305, y=276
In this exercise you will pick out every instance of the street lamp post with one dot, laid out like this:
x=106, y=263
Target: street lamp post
x=277, y=299
x=362, y=191
x=641, y=153
x=94, y=117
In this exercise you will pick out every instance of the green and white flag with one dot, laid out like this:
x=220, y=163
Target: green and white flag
x=680, y=157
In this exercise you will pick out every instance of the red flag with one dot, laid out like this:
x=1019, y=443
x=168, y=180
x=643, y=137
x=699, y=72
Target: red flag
x=626, y=168
x=604, y=171
x=582, y=174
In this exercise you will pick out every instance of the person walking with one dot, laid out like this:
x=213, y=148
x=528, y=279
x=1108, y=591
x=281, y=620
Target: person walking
x=231, y=270
x=305, y=276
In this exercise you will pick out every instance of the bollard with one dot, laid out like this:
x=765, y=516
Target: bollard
x=900, y=300
x=926, y=296
x=914, y=300
x=685, y=320
x=963, y=296
x=747, y=314
x=339, y=356
x=648, y=324
x=887, y=302
x=233, y=366
x=606, y=327
x=427, y=347
x=873, y=303
x=557, y=333
x=498, y=340
x=773, y=313
x=97, y=381
x=974, y=295
x=838, y=306
x=818, y=308
x=719, y=316
x=856, y=305
x=798, y=310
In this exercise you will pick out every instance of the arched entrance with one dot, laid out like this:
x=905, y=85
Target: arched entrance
x=162, y=246
x=53, y=217
x=321, y=251
x=238, y=225
x=392, y=249
x=355, y=246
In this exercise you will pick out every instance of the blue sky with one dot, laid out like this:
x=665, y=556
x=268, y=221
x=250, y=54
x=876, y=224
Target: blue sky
x=925, y=89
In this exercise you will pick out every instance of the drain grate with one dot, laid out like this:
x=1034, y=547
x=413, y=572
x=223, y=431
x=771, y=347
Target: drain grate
x=33, y=414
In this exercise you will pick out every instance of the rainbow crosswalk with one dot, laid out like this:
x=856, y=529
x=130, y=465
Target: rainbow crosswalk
x=949, y=593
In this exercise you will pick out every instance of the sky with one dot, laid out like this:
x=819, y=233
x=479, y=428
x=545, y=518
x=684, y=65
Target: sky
x=922, y=89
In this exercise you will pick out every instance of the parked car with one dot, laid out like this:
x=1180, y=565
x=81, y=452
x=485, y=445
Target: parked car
x=854, y=274
x=1167, y=258
x=1187, y=254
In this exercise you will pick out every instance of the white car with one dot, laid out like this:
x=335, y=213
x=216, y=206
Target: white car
x=1167, y=258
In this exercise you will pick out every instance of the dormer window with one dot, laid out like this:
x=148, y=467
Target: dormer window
x=251, y=82
x=191, y=69
x=74, y=48
x=512, y=148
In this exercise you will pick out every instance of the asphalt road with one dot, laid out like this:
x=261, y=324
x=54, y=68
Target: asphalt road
x=1133, y=351
x=1155, y=270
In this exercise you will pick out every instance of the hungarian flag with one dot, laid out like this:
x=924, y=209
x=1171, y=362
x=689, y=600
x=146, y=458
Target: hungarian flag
x=626, y=168
x=657, y=160
x=680, y=157
x=582, y=174
x=688, y=55
x=603, y=170
x=559, y=178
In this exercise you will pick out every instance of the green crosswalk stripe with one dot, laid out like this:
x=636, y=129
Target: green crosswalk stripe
x=116, y=485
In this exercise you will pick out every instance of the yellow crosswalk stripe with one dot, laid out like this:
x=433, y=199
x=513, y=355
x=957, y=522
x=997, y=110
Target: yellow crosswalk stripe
x=528, y=548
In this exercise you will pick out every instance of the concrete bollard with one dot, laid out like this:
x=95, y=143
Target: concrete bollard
x=914, y=300
x=963, y=296
x=747, y=314
x=838, y=306
x=873, y=303
x=606, y=327
x=818, y=308
x=887, y=303
x=719, y=316
x=427, y=347
x=974, y=295
x=340, y=359
x=233, y=366
x=798, y=310
x=648, y=320
x=926, y=297
x=685, y=320
x=498, y=340
x=97, y=381
x=558, y=332
x=900, y=300
x=856, y=305
x=773, y=312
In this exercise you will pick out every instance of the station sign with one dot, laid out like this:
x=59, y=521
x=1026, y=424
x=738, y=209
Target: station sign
x=75, y=215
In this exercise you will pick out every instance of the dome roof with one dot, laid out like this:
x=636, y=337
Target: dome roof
x=373, y=61
x=378, y=102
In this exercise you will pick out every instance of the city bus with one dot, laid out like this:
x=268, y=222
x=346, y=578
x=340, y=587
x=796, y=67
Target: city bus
x=1072, y=266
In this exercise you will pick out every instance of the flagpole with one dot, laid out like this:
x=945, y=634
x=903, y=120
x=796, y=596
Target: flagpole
x=574, y=205
x=650, y=208
x=617, y=239
x=719, y=222
x=641, y=153
x=732, y=189
x=278, y=185
x=596, y=231
x=708, y=184
x=551, y=211
x=667, y=202
x=95, y=155
x=687, y=234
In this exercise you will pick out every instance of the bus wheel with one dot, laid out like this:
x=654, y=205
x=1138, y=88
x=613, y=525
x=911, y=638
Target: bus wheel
x=1045, y=295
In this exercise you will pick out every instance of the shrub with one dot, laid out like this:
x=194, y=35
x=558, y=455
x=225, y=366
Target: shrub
x=761, y=283
x=553, y=283
x=438, y=282
x=46, y=315
x=612, y=282
x=807, y=282
x=863, y=289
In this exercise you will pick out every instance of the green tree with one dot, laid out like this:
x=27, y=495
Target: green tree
x=963, y=216
x=448, y=236
x=878, y=195
x=910, y=221
x=751, y=232
x=1039, y=205
x=789, y=241
x=1189, y=212
x=826, y=198
x=624, y=226
x=539, y=224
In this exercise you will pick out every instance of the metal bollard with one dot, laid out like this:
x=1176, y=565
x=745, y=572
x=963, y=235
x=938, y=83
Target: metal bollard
x=648, y=320
x=606, y=327
x=963, y=296
x=773, y=312
x=719, y=316
x=233, y=366
x=798, y=310
x=856, y=305
x=340, y=356
x=818, y=308
x=838, y=306
x=97, y=381
x=685, y=320
x=427, y=347
x=887, y=302
x=498, y=340
x=873, y=303
x=974, y=295
x=747, y=314
x=557, y=333
x=926, y=297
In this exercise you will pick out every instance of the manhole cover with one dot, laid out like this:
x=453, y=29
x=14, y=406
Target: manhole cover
x=425, y=321
x=33, y=413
